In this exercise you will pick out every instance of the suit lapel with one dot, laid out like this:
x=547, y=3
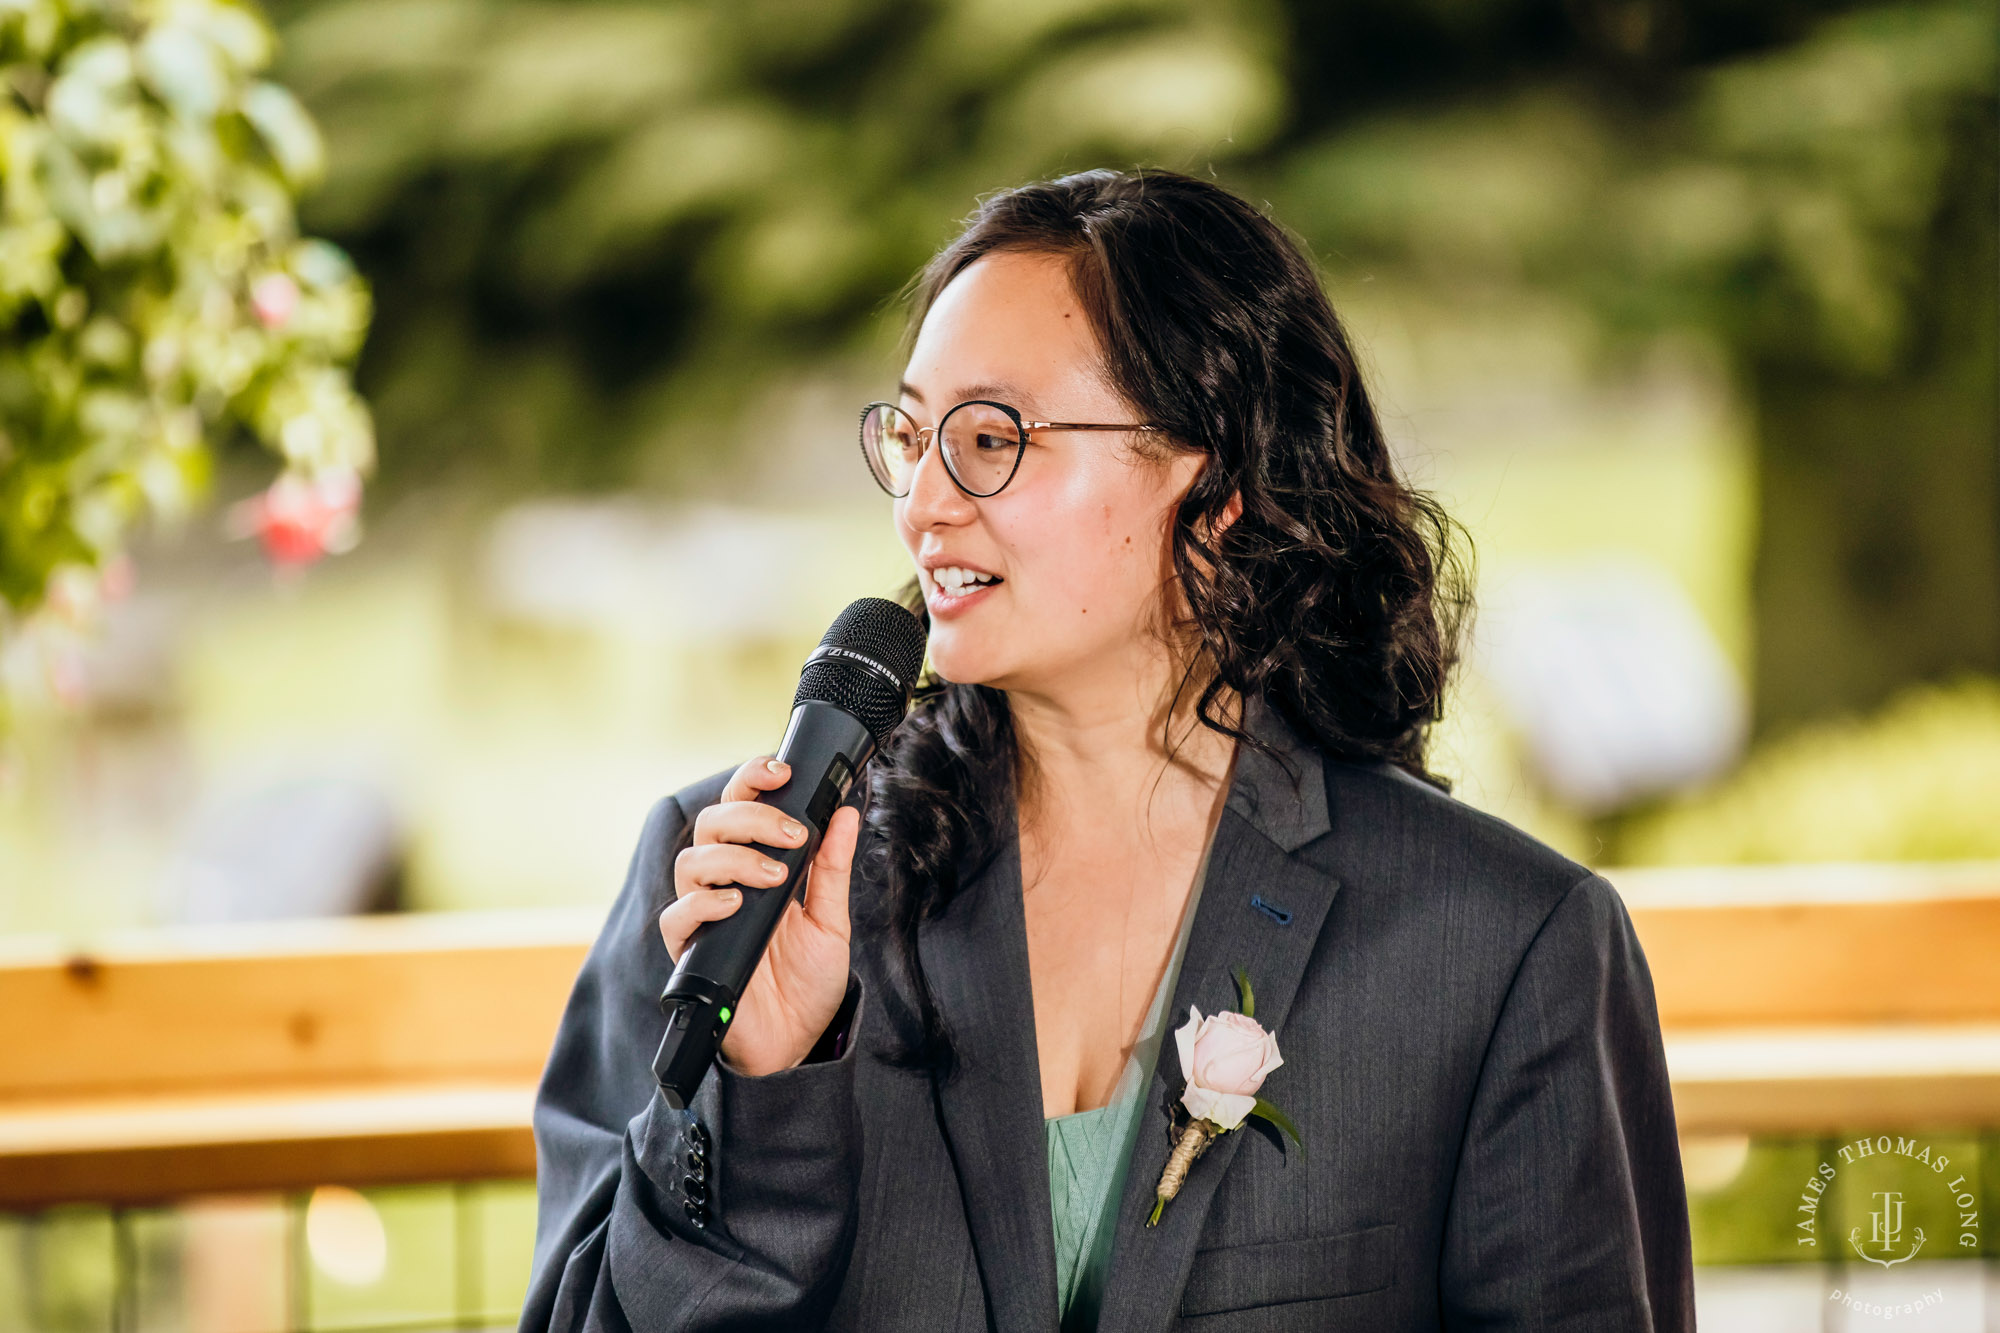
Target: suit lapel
x=1266, y=820
x=976, y=956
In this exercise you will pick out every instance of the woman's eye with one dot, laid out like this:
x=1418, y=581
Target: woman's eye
x=986, y=441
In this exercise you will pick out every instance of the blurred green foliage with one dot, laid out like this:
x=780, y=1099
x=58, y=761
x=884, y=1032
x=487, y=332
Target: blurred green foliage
x=1915, y=782
x=155, y=292
x=1780, y=199
x=1748, y=1217
x=609, y=239
x=605, y=239
x=1822, y=210
x=602, y=232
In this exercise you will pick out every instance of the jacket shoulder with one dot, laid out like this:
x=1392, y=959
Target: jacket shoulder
x=697, y=796
x=651, y=875
x=1395, y=829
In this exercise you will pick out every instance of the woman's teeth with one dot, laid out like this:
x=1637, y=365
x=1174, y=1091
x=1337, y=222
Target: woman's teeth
x=956, y=582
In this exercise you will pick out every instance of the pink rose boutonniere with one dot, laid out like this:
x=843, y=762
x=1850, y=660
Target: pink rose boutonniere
x=1225, y=1057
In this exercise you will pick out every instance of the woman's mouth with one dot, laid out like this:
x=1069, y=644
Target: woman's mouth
x=954, y=588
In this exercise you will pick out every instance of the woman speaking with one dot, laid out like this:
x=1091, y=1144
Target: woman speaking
x=1151, y=981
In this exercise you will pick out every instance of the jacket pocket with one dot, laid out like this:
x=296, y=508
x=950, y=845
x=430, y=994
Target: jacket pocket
x=1237, y=1277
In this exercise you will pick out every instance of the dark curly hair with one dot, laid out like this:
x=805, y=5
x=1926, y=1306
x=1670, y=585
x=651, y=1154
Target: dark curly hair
x=1336, y=597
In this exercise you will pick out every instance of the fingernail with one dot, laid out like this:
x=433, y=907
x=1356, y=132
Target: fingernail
x=772, y=870
x=794, y=829
x=731, y=895
x=775, y=765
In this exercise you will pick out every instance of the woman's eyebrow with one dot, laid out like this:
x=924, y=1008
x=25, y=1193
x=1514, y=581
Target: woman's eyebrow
x=1011, y=394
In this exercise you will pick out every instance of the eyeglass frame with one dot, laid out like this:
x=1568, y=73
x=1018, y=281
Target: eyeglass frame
x=1022, y=427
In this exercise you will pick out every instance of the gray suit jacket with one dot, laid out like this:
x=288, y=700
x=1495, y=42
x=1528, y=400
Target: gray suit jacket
x=1472, y=1055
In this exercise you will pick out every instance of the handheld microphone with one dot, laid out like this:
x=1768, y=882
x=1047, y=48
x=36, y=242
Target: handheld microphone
x=853, y=691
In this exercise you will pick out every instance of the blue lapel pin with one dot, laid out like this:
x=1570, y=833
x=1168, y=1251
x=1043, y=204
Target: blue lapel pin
x=1272, y=910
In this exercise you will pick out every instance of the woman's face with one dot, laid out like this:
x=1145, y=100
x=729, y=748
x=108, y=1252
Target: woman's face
x=1077, y=541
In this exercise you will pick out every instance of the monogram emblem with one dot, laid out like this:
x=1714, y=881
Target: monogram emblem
x=1886, y=1231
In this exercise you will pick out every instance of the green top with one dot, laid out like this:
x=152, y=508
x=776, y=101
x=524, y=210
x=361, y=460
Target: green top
x=1090, y=1150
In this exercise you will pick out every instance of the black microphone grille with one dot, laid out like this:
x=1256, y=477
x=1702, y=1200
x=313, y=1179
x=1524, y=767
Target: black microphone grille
x=867, y=664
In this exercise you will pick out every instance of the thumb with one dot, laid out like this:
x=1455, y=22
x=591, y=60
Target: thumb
x=826, y=885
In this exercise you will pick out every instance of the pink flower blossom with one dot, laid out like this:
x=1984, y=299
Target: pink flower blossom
x=274, y=297
x=1225, y=1057
x=300, y=521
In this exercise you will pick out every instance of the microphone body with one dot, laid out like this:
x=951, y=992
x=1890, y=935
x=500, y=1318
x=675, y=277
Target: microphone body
x=852, y=693
x=826, y=747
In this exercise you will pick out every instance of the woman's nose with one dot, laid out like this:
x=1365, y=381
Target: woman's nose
x=934, y=498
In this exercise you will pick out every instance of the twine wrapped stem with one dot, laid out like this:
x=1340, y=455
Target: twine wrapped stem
x=1194, y=1141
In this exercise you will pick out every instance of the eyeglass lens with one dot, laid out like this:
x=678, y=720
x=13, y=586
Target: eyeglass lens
x=982, y=445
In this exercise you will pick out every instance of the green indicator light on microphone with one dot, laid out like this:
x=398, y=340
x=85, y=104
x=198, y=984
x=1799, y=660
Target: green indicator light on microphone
x=725, y=1013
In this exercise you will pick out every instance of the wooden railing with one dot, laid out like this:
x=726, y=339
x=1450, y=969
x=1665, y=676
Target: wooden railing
x=1825, y=998
x=375, y=1050
x=366, y=1050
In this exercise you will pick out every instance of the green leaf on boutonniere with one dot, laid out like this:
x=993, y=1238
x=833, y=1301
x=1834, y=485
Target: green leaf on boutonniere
x=1281, y=1120
x=1248, y=1006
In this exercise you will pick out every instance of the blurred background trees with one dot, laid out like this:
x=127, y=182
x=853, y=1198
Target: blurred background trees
x=603, y=233
x=1686, y=307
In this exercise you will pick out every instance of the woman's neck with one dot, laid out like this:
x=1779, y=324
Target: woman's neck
x=1101, y=758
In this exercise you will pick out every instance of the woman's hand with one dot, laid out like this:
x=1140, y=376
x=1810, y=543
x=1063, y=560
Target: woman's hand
x=802, y=977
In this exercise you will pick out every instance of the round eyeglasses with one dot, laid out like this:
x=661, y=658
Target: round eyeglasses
x=983, y=443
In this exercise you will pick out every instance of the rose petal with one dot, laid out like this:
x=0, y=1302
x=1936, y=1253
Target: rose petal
x=1184, y=1040
x=1228, y=1068
x=1242, y=1023
x=1225, y=1109
x=1199, y=1101
x=1271, y=1057
x=1231, y=1054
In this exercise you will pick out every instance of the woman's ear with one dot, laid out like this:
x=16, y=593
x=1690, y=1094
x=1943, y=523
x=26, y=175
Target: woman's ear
x=1230, y=513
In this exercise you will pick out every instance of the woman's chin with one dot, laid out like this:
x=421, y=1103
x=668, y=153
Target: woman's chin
x=961, y=663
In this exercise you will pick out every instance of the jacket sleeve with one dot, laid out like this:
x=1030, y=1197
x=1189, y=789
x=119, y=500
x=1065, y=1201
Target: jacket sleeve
x=739, y=1212
x=1569, y=1211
